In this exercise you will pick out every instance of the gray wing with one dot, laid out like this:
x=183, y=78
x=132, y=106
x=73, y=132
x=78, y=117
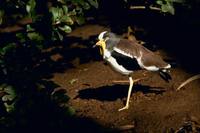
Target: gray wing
x=134, y=50
x=148, y=58
x=128, y=48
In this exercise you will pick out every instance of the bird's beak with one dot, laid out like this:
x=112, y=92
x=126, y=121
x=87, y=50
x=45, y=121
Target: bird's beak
x=99, y=43
x=102, y=45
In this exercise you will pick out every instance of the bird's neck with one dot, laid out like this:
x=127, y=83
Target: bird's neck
x=111, y=43
x=106, y=54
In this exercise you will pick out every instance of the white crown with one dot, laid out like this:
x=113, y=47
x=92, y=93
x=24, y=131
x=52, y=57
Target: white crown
x=100, y=37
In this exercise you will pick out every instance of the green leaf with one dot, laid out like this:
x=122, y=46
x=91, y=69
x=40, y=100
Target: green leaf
x=29, y=28
x=67, y=19
x=57, y=34
x=57, y=13
x=65, y=28
x=159, y=2
x=10, y=94
x=30, y=6
x=2, y=86
x=60, y=36
x=65, y=9
x=80, y=20
x=167, y=5
x=21, y=37
x=81, y=2
x=79, y=10
x=54, y=12
x=35, y=36
x=1, y=16
x=177, y=1
x=86, y=6
x=7, y=98
x=62, y=1
x=9, y=107
x=168, y=8
x=72, y=13
x=70, y=111
x=94, y=3
x=7, y=48
x=9, y=90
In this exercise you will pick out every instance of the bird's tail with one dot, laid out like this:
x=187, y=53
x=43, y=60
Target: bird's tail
x=164, y=74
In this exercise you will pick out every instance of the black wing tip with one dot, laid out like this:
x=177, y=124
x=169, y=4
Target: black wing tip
x=164, y=74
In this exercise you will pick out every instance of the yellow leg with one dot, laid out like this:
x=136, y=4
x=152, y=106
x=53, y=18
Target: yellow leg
x=131, y=82
x=129, y=94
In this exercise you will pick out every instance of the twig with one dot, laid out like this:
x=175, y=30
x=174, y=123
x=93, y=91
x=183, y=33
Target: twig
x=120, y=81
x=10, y=29
x=188, y=81
x=127, y=81
x=17, y=27
x=126, y=127
x=144, y=7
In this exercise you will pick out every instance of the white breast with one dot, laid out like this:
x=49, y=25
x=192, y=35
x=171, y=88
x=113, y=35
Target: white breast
x=117, y=67
x=112, y=61
x=106, y=54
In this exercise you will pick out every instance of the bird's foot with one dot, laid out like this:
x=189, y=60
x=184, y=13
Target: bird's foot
x=137, y=80
x=125, y=107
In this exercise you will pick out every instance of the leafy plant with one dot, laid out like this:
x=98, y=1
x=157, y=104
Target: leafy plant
x=21, y=51
x=165, y=6
x=66, y=13
x=168, y=5
x=8, y=97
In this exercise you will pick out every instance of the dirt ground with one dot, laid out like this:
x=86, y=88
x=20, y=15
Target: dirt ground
x=155, y=105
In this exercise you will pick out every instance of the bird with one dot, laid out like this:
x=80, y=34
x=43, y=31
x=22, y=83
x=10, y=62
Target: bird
x=124, y=55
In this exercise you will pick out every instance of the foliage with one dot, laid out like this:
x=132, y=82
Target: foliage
x=8, y=97
x=67, y=13
x=61, y=14
x=168, y=5
x=21, y=52
x=165, y=6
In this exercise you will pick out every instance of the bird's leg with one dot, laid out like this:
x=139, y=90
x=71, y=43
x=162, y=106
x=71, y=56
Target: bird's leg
x=131, y=82
x=129, y=94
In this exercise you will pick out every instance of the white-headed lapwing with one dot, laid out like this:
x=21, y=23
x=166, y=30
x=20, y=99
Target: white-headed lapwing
x=122, y=54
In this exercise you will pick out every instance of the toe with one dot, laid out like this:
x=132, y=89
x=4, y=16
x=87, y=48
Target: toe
x=126, y=107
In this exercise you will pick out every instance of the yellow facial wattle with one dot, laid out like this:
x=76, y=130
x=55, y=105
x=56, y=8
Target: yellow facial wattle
x=102, y=44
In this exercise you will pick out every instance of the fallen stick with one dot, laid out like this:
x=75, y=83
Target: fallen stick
x=126, y=81
x=188, y=81
x=144, y=7
x=126, y=127
x=120, y=81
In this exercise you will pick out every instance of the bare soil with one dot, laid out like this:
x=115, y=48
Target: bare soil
x=155, y=105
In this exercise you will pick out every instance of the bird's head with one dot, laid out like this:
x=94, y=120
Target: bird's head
x=105, y=40
x=102, y=42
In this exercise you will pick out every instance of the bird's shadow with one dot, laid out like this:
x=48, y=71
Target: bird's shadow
x=111, y=93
